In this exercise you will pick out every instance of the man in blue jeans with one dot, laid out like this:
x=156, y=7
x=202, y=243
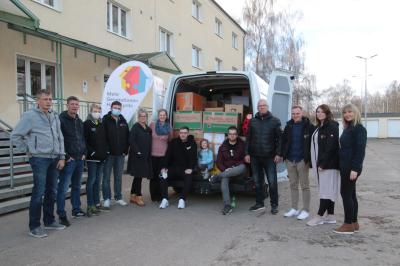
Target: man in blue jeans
x=38, y=134
x=263, y=152
x=75, y=147
x=117, y=141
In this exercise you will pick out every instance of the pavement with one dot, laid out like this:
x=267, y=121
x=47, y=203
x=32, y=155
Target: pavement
x=200, y=235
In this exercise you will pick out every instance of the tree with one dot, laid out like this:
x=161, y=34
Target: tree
x=338, y=95
x=272, y=41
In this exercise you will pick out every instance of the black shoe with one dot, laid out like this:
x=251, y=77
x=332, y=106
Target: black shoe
x=214, y=179
x=64, y=221
x=257, y=207
x=274, y=210
x=78, y=214
x=227, y=210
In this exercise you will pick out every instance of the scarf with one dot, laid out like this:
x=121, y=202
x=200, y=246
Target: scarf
x=162, y=130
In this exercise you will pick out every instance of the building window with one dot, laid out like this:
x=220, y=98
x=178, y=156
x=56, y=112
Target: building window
x=218, y=27
x=196, y=56
x=34, y=75
x=165, y=41
x=234, y=40
x=117, y=19
x=54, y=4
x=196, y=10
x=218, y=64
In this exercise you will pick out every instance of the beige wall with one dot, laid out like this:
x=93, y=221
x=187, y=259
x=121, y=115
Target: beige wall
x=86, y=21
x=75, y=70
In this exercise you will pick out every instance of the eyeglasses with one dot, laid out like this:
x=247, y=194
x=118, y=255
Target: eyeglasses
x=232, y=134
x=262, y=105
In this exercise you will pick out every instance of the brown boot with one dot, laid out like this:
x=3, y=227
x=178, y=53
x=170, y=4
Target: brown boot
x=133, y=198
x=345, y=229
x=356, y=227
x=140, y=201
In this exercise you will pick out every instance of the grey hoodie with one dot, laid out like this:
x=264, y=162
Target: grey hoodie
x=39, y=134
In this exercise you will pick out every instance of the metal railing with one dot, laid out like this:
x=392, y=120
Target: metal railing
x=27, y=102
x=7, y=129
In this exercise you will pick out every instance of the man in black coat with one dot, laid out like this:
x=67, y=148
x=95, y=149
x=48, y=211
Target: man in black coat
x=295, y=149
x=75, y=148
x=117, y=140
x=181, y=160
x=262, y=151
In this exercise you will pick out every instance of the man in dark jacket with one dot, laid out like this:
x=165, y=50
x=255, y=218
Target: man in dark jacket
x=263, y=148
x=75, y=149
x=181, y=158
x=296, y=141
x=117, y=141
x=230, y=161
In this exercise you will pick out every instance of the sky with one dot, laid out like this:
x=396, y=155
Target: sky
x=335, y=32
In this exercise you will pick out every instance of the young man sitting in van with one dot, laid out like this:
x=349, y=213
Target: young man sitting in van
x=181, y=159
x=230, y=161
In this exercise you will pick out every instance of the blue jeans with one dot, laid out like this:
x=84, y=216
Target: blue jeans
x=115, y=163
x=71, y=174
x=95, y=173
x=45, y=174
x=258, y=166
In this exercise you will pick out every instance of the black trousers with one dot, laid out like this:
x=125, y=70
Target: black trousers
x=136, y=186
x=177, y=174
x=326, y=205
x=154, y=185
x=348, y=192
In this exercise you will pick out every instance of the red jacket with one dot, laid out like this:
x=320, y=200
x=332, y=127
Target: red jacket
x=228, y=157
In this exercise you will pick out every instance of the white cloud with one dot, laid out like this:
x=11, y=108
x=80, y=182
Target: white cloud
x=336, y=31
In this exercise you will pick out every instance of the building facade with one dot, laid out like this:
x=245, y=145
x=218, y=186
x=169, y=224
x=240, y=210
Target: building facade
x=71, y=47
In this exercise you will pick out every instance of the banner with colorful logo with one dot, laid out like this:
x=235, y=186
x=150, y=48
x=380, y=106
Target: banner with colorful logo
x=129, y=84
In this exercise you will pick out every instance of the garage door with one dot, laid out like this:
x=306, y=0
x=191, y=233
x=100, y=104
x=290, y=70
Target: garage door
x=372, y=128
x=393, y=128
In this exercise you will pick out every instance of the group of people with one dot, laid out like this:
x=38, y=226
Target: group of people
x=59, y=145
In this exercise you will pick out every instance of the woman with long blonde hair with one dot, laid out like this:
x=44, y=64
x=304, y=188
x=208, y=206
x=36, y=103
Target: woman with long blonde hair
x=351, y=156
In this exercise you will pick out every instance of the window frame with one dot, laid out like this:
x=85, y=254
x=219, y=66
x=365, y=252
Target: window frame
x=198, y=56
x=56, y=4
x=235, y=41
x=218, y=64
x=218, y=28
x=43, y=81
x=169, y=34
x=109, y=20
x=196, y=10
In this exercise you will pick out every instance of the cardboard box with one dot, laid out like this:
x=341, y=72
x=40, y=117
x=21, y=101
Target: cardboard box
x=245, y=100
x=234, y=108
x=189, y=101
x=191, y=119
x=216, y=138
x=211, y=104
x=219, y=122
x=214, y=109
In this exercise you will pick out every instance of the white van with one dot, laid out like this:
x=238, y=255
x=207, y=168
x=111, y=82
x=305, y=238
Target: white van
x=224, y=85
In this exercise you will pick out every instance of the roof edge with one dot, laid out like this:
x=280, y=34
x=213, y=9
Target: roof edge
x=229, y=16
x=23, y=8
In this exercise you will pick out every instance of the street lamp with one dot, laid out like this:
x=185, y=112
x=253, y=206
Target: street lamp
x=365, y=86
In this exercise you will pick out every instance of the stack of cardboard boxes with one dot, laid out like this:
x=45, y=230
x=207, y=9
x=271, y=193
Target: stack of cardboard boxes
x=207, y=119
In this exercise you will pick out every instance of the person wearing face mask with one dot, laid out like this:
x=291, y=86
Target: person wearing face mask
x=96, y=154
x=117, y=142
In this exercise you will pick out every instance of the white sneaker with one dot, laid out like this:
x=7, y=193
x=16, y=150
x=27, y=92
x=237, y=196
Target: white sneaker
x=164, y=204
x=292, y=212
x=329, y=219
x=317, y=220
x=121, y=202
x=181, y=204
x=107, y=203
x=303, y=215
